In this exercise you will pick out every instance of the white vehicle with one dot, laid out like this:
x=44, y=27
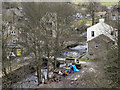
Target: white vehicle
x=61, y=60
x=79, y=62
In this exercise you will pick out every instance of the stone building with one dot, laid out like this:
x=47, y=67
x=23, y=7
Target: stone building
x=112, y=16
x=100, y=38
x=13, y=31
x=50, y=23
x=98, y=46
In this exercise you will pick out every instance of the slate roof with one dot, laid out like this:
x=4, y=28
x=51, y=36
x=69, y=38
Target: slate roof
x=102, y=37
x=104, y=28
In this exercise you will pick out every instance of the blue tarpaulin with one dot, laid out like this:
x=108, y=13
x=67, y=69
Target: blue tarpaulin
x=74, y=68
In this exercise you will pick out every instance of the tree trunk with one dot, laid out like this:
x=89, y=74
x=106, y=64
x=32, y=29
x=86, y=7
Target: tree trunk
x=93, y=13
x=93, y=19
x=48, y=70
x=39, y=63
x=55, y=63
x=4, y=71
x=119, y=44
x=37, y=69
x=48, y=55
x=40, y=75
x=56, y=49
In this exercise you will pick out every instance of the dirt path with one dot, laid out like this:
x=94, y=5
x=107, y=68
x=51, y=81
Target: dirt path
x=90, y=76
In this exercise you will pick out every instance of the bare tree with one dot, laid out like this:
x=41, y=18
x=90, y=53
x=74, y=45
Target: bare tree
x=92, y=8
x=6, y=58
x=35, y=12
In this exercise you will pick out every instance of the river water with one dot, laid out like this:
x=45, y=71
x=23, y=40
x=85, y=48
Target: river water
x=31, y=80
x=77, y=51
x=79, y=47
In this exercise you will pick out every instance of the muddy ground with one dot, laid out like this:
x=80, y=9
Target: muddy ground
x=91, y=76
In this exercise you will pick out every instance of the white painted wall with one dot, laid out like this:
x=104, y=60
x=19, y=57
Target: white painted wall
x=100, y=28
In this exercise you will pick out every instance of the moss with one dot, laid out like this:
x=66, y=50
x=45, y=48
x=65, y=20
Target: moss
x=80, y=22
x=80, y=3
x=102, y=3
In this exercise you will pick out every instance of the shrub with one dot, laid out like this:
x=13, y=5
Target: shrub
x=111, y=66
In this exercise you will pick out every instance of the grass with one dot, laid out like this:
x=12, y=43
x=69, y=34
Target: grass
x=86, y=21
x=89, y=21
x=102, y=3
x=80, y=3
x=80, y=22
x=109, y=3
x=83, y=8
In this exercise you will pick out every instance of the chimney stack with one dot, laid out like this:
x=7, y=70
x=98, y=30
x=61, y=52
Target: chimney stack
x=101, y=20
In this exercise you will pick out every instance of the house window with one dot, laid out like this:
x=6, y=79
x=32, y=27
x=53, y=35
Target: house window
x=23, y=31
x=118, y=17
x=112, y=32
x=113, y=17
x=92, y=33
x=13, y=32
x=51, y=32
x=51, y=23
x=113, y=43
x=22, y=38
x=14, y=41
x=96, y=46
x=91, y=54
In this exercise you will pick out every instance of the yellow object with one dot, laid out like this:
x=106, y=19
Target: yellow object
x=72, y=56
x=75, y=62
x=18, y=52
x=66, y=72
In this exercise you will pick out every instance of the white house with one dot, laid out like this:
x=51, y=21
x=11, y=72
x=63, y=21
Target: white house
x=100, y=28
x=100, y=37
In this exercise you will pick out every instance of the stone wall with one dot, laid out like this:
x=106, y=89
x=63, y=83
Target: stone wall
x=98, y=47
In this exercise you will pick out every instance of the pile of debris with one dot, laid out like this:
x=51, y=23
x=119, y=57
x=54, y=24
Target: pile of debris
x=65, y=71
